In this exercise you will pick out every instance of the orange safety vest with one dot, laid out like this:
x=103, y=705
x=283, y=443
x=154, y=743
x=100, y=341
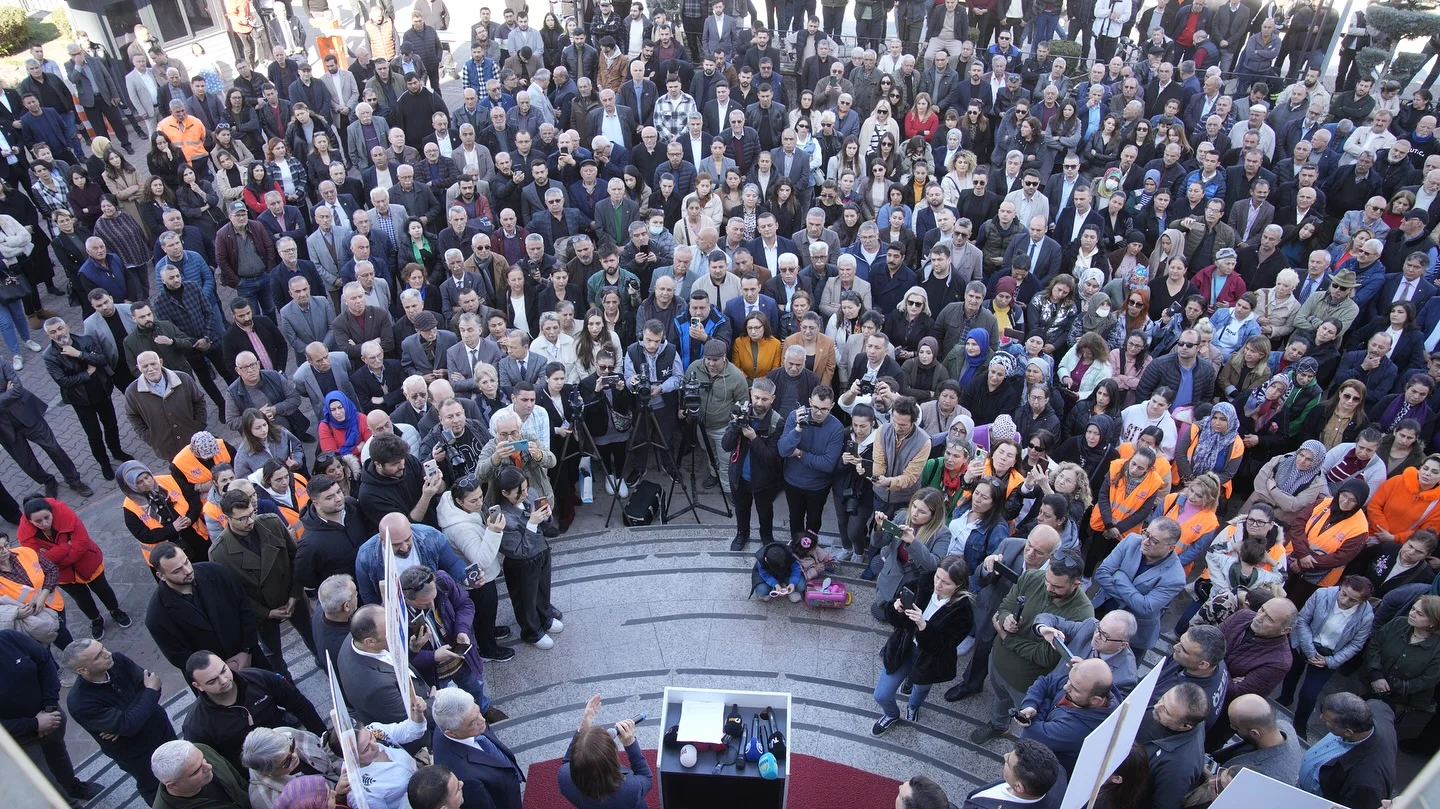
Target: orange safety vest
x=192, y=469
x=292, y=515
x=182, y=508
x=1163, y=466
x=188, y=137
x=1123, y=504
x=1328, y=540
x=1191, y=530
x=29, y=561
x=1274, y=557
x=1237, y=450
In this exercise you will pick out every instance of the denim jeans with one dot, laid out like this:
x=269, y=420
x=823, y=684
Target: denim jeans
x=13, y=321
x=1045, y=29
x=257, y=291
x=889, y=683
x=466, y=678
x=72, y=131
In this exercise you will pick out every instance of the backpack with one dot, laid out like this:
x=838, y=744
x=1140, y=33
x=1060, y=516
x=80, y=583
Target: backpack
x=647, y=502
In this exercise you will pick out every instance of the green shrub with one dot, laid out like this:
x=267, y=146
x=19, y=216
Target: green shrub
x=1404, y=67
x=1395, y=24
x=1370, y=58
x=14, y=30
x=60, y=18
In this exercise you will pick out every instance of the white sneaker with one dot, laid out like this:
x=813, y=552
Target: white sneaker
x=624, y=490
x=33, y=346
x=17, y=363
x=965, y=646
x=545, y=642
x=610, y=484
x=555, y=626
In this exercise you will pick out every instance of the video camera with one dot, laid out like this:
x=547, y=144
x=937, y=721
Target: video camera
x=690, y=397
x=643, y=387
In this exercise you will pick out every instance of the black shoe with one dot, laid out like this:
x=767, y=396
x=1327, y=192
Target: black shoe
x=122, y=457
x=883, y=724
x=307, y=439
x=502, y=632
x=107, y=473
x=955, y=693
x=711, y=482
x=83, y=790
x=906, y=687
x=739, y=543
x=557, y=614
x=499, y=655
x=97, y=628
x=52, y=489
x=549, y=531
x=493, y=715
x=121, y=619
x=81, y=488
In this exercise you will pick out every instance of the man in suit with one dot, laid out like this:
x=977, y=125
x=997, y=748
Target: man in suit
x=329, y=248
x=462, y=358
x=1075, y=218
x=463, y=741
x=1141, y=575
x=768, y=246
x=639, y=94
x=1248, y=217
x=248, y=328
x=359, y=322
x=794, y=164
x=751, y=299
x=22, y=422
x=424, y=352
x=618, y=122
x=366, y=679
x=1164, y=88
x=323, y=372
x=367, y=131
x=97, y=91
x=1060, y=188
x=721, y=32
x=102, y=324
x=519, y=364
x=1105, y=638
x=1043, y=251
x=378, y=382
x=615, y=213
x=305, y=319
x=1407, y=285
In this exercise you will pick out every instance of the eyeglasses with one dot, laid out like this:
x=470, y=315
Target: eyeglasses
x=1350, y=397
x=1253, y=521
x=1186, y=344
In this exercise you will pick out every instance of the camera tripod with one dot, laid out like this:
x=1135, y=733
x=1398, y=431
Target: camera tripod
x=659, y=447
x=580, y=443
x=693, y=438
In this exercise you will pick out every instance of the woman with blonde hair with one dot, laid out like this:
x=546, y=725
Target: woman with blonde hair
x=1194, y=508
x=925, y=518
x=910, y=321
x=878, y=124
x=959, y=176
x=921, y=120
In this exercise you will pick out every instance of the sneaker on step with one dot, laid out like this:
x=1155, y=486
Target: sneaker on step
x=965, y=646
x=624, y=490
x=883, y=724
x=555, y=626
x=500, y=655
x=97, y=628
x=17, y=363
x=33, y=346
x=121, y=619
x=545, y=642
x=609, y=484
x=912, y=713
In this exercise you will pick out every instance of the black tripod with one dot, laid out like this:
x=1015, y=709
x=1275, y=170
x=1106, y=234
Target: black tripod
x=694, y=438
x=656, y=443
x=580, y=443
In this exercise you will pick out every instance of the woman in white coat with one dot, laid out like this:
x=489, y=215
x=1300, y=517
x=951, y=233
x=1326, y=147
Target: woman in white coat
x=1092, y=352
x=461, y=512
x=1112, y=17
x=15, y=248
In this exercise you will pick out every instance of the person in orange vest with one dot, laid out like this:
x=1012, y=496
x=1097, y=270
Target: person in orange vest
x=156, y=511
x=54, y=531
x=191, y=466
x=1125, y=501
x=33, y=582
x=287, y=489
x=1194, y=509
x=186, y=133
x=1407, y=503
x=1335, y=534
x=1214, y=445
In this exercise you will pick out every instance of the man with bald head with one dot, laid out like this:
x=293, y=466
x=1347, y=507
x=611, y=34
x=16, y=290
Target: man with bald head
x=1267, y=744
x=323, y=372
x=1020, y=554
x=1258, y=656
x=1106, y=639
x=380, y=423
x=270, y=392
x=1061, y=708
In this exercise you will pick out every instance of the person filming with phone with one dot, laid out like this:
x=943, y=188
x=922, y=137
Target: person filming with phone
x=509, y=449
x=441, y=635
x=516, y=514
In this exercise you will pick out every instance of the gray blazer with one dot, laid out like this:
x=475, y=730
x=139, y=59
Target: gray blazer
x=101, y=89
x=510, y=370
x=301, y=328
x=329, y=268
x=1147, y=595
x=457, y=361
x=1080, y=639
x=383, y=298
x=412, y=356
x=304, y=379
x=992, y=589
x=450, y=293
x=343, y=89
x=483, y=161
x=355, y=141
x=397, y=217
x=95, y=327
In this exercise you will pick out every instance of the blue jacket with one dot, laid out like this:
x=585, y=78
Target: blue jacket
x=1312, y=618
x=1146, y=594
x=821, y=448
x=435, y=553
x=1221, y=319
x=634, y=786
x=1061, y=728
x=193, y=270
x=977, y=547
x=110, y=278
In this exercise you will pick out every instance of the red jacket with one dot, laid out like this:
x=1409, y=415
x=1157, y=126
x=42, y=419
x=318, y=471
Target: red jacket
x=71, y=549
x=227, y=254
x=1229, y=293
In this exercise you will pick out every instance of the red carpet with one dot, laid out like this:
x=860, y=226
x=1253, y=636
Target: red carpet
x=814, y=784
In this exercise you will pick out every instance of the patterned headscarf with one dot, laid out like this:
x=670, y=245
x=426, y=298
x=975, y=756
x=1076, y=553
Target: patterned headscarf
x=1288, y=476
x=1212, y=444
x=204, y=445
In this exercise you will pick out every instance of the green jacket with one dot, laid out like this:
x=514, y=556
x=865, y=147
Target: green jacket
x=226, y=776
x=1413, y=670
x=1024, y=657
x=268, y=577
x=724, y=391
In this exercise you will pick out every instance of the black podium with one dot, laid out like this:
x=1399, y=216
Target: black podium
x=717, y=781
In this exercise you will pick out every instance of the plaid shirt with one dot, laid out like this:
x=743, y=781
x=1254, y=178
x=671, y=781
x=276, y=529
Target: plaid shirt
x=124, y=236
x=671, y=115
x=189, y=312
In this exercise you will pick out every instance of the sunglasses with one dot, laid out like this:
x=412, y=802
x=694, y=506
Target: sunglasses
x=915, y=303
x=1031, y=184
x=1186, y=344
x=1135, y=303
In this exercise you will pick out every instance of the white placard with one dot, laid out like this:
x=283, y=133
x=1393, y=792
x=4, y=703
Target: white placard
x=397, y=626
x=1252, y=788
x=701, y=721
x=345, y=729
x=1109, y=743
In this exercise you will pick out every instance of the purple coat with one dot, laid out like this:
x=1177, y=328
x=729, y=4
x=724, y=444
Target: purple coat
x=457, y=613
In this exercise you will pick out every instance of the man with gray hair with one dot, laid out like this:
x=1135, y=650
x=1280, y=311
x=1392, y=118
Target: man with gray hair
x=1355, y=762
x=118, y=703
x=464, y=742
x=185, y=771
x=1143, y=575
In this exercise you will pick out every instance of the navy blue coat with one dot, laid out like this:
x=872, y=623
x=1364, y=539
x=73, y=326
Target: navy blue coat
x=491, y=781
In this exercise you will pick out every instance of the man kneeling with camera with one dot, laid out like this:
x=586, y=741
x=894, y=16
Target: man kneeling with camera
x=753, y=440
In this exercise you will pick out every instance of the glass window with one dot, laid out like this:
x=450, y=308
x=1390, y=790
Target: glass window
x=179, y=19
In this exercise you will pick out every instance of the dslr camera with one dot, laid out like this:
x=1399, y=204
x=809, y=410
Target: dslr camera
x=690, y=398
x=866, y=387
x=741, y=413
x=643, y=387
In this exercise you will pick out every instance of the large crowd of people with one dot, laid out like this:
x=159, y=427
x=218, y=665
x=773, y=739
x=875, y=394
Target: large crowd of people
x=1083, y=355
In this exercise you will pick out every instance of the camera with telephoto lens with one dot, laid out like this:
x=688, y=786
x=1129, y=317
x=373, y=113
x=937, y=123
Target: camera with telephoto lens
x=741, y=413
x=866, y=387
x=690, y=398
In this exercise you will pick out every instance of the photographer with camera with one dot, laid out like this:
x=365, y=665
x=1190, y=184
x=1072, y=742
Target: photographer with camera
x=900, y=455
x=753, y=441
x=811, y=445
x=718, y=385
x=654, y=372
x=854, y=496
x=609, y=410
x=879, y=396
x=456, y=444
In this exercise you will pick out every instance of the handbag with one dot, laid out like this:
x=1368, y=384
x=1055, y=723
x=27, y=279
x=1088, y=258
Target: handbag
x=13, y=287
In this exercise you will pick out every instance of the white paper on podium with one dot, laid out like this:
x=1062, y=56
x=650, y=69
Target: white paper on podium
x=701, y=722
x=1251, y=788
x=1108, y=744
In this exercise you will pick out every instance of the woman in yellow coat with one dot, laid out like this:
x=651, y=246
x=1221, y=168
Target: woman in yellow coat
x=756, y=352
